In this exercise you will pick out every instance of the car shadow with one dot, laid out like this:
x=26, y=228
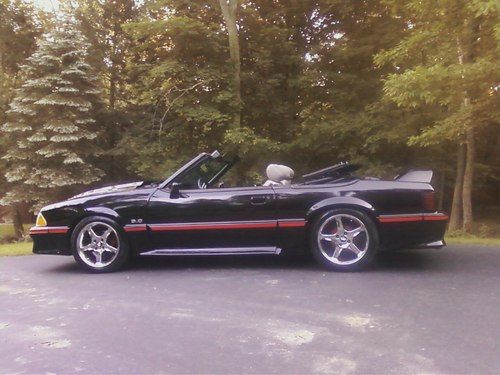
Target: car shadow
x=475, y=259
x=223, y=262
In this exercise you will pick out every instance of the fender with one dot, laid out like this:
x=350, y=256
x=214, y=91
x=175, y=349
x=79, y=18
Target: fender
x=339, y=201
x=102, y=211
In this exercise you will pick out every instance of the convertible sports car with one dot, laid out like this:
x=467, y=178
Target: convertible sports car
x=342, y=219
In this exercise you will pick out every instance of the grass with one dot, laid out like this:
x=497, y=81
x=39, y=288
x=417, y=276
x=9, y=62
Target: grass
x=17, y=248
x=8, y=229
x=472, y=239
x=485, y=231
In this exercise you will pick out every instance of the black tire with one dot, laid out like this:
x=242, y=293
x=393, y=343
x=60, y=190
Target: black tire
x=369, y=231
x=120, y=258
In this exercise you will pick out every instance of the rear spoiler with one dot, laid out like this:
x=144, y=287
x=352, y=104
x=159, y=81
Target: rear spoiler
x=416, y=176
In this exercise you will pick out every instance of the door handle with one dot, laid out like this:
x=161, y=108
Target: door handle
x=261, y=199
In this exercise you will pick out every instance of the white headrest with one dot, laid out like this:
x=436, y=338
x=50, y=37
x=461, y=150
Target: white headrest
x=278, y=172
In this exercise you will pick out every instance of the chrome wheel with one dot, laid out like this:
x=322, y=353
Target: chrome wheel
x=98, y=244
x=343, y=239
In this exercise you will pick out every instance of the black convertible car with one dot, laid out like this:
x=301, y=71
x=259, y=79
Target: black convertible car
x=342, y=219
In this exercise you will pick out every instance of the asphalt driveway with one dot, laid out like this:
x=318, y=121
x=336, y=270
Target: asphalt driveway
x=434, y=311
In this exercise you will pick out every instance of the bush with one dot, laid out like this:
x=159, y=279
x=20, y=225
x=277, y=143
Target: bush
x=486, y=231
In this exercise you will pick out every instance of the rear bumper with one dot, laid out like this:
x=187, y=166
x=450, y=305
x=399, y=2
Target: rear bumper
x=424, y=230
x=50, y=240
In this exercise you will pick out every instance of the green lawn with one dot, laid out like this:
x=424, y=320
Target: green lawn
x=8, y=229
x=18, y=248
x=471, y=239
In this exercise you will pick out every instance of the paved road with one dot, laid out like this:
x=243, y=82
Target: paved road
x=432, y=311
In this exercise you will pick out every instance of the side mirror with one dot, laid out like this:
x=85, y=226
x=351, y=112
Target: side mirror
x=175, y=190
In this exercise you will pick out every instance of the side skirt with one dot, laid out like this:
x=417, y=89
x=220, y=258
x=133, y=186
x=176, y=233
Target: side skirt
x=217, y=251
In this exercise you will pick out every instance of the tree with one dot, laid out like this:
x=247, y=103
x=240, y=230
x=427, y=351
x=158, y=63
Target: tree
x=180, y=84
x=229, y=10
x=50, y=125
x=342, y=116
x=18, y=31
x=102, y=24
x=448, y=57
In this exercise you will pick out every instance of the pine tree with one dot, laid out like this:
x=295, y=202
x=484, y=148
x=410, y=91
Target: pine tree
x=50, y=122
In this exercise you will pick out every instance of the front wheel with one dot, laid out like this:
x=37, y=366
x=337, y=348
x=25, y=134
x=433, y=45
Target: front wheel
x=98, y=245
x=344, y=239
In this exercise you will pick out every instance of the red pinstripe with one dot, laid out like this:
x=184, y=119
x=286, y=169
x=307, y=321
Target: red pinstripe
x=208, y=226
x=412, y=218
x=49, y=230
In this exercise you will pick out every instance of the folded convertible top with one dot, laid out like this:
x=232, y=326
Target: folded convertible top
x=329, y=173
x=416, y=176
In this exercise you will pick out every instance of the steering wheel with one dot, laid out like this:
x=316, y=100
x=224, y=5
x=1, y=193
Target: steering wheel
x=201, y=183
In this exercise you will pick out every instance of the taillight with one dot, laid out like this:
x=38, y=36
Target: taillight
x=428, y=202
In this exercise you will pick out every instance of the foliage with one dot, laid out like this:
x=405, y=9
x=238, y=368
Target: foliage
x=377, y=82
x=18, y=30
x=448, y=59
x=50, y=121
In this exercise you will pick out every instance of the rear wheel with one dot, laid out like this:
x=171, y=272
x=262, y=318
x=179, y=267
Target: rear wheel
x=344, y=239
x=98, y=245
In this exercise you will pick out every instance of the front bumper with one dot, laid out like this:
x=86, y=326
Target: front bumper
x=51, y=240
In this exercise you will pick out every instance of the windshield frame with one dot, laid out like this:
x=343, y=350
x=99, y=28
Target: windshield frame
x=197, y=161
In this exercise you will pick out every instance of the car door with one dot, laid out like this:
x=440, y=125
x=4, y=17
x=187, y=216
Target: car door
x=214, y=220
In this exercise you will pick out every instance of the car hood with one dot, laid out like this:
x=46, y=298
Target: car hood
x=110, y=189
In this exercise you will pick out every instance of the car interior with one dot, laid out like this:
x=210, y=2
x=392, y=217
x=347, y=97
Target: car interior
x=209, y=172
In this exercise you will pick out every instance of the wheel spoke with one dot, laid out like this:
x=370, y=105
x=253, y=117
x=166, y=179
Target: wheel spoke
x=106, y=234
x=354, y=232
x=327, y=237
x=89, y=247
x=110, y=249
x=98, y=258
x=92, y=234
x=354, y=248
x=340, y=226
x=337, y=252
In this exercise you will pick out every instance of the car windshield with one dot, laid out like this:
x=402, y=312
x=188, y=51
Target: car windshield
x=205, y=174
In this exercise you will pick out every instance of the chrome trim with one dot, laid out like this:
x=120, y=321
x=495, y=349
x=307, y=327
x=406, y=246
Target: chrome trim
x=401, y=215
x=433, y=245
x=217, y=251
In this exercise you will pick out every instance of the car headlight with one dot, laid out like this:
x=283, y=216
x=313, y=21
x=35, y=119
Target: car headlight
x=40, y=220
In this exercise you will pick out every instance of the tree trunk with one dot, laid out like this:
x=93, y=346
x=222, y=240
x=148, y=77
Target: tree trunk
x=468, y=181
x=465, y=56
x=229, y=10
x=113, y=77
x=456, y=206
x=112, y=89
x=17, y=221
